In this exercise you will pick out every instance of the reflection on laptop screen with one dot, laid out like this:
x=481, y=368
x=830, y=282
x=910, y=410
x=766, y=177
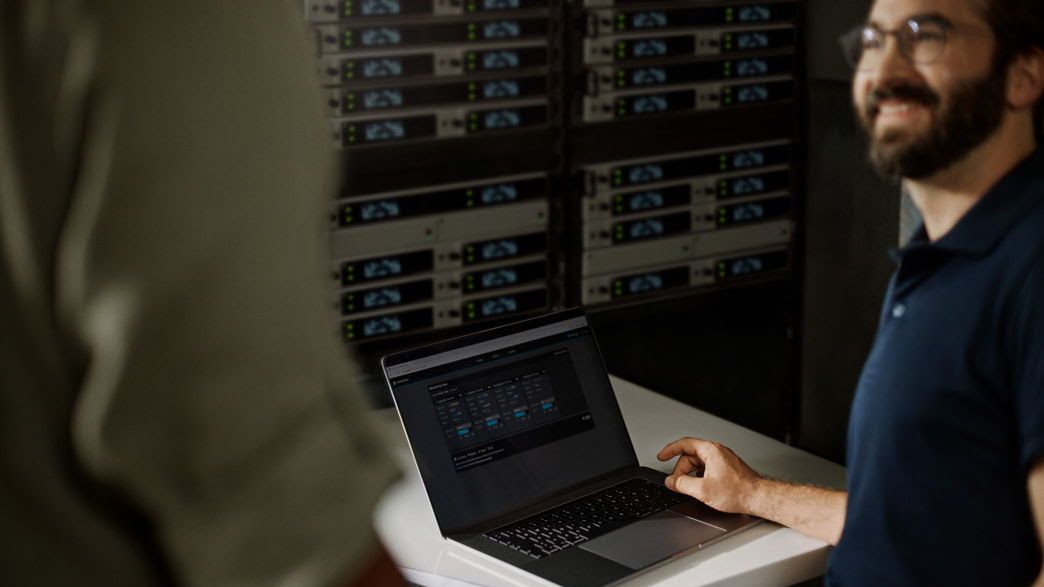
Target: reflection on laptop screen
x=503, y=419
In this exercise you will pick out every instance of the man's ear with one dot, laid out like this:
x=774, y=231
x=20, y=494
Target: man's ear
x=1026, y=79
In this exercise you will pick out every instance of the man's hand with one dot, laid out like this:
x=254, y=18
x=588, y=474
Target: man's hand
x=1035, y=489
x=723, y=481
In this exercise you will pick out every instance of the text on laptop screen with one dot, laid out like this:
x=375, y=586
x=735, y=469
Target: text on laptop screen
x=506, y=421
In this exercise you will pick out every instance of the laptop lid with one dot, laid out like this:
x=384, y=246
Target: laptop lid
x=508, y=417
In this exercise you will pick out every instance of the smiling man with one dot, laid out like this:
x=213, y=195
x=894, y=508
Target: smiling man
x=946, y=437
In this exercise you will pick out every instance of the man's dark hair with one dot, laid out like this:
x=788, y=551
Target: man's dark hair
x=1018, y=26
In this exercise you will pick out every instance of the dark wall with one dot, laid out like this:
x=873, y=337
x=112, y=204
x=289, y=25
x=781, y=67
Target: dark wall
x=852, y=220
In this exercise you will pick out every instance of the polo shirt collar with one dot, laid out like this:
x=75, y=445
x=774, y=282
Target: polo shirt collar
x=983, y=227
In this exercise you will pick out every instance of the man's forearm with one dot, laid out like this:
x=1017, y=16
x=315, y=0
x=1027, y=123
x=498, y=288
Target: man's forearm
x=811, y=510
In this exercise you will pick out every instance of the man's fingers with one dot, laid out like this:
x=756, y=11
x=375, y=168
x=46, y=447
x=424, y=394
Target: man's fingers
x=684, y=484
x=687, y=464
x=690, y=446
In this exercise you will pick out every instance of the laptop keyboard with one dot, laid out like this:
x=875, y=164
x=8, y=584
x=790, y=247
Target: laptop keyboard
x=586, y=518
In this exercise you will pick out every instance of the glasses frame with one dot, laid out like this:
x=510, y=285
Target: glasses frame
x=904, y=35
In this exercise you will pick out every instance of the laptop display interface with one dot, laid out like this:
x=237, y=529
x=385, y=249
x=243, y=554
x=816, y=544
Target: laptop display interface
x=497, y=423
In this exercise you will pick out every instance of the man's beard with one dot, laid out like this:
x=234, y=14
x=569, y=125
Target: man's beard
x=972, y=113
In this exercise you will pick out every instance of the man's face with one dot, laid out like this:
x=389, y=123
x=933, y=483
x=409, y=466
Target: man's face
x=923, y=117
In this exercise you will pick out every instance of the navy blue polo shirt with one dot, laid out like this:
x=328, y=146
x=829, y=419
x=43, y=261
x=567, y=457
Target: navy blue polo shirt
x=948, y=415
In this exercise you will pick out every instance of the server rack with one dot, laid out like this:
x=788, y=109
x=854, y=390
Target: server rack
x=505, y=157
x=447, y=112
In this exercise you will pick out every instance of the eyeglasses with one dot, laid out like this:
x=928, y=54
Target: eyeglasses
x=921, y=41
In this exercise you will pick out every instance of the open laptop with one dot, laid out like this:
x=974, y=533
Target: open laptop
x=525, y=458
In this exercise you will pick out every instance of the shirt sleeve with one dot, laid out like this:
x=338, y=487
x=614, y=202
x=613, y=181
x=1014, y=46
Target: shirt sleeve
x=1029, y=365
x=191, y=274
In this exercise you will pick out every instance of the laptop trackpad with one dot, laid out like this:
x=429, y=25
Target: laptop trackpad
x=652, y=539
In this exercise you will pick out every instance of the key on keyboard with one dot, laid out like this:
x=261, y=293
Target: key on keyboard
x=586, y=518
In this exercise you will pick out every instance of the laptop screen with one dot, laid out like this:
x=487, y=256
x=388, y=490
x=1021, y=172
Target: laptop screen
x=508, y=417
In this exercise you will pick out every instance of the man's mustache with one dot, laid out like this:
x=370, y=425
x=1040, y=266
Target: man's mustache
x=909, y=92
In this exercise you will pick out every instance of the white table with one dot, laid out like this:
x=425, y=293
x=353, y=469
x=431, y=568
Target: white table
x=764, y=555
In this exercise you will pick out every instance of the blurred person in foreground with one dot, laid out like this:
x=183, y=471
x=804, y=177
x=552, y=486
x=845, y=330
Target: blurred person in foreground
x=174, y=406
x=945, y=447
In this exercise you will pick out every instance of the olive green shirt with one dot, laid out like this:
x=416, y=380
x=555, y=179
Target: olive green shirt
x=174, y=404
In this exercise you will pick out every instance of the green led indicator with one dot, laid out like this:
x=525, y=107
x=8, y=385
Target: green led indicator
x=346, y=39
x=472, y=32
x=729, y=15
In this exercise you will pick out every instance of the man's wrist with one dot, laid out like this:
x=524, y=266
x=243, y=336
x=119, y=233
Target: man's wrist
x=753, y=495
